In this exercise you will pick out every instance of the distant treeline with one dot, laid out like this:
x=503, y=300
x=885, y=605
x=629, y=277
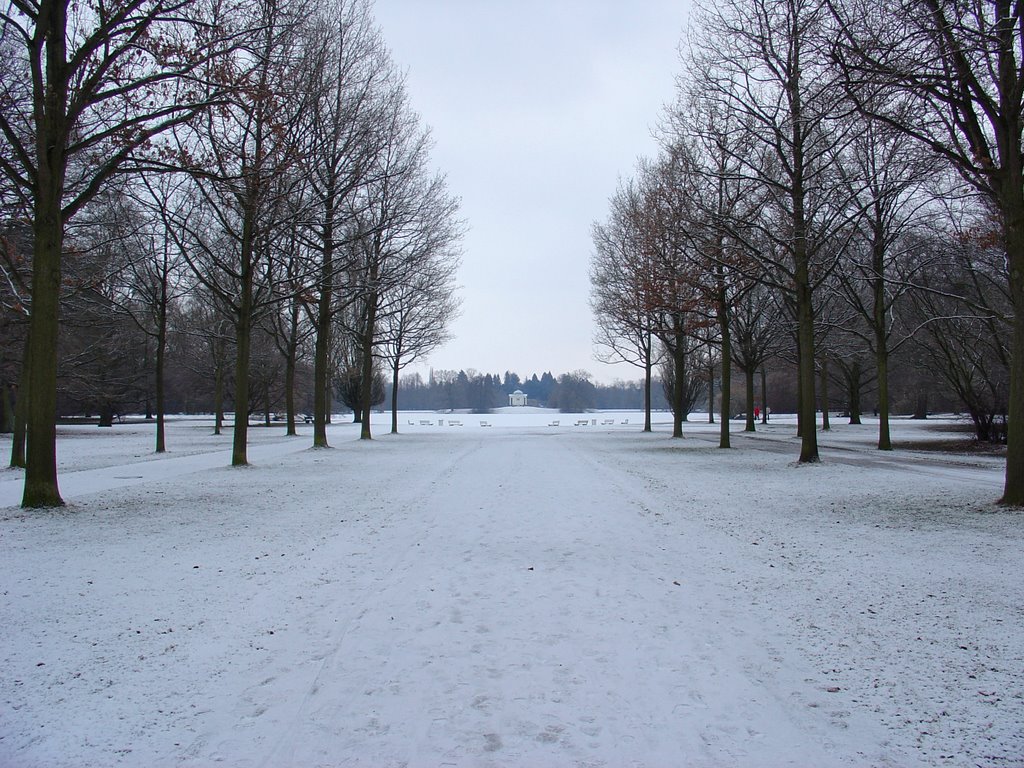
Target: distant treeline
x=481, y=392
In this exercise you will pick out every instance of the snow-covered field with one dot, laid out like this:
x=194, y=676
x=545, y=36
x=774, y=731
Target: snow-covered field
x=516, y=594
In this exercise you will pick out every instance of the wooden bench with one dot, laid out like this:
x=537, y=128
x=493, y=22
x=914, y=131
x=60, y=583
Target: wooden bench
x=485, y=423
x=582, y=422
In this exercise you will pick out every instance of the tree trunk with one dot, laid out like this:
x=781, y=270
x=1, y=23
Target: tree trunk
x=799, y=391
x=289, y=394
x=106, y=415
x=648, y=365
x=41, y=454
x=325, y=303
x=394, y=394
x=748, y=375
x=879, y=320
x=218, y=396
x=6, y=408
x=825, y=423
x=921, y=406
x=243, y=342
x=806, y=407
x=1013, y=213
x=161, y=350
x=801, y=270
x=366, y=385
x=854, y=403
x=764, y=395
x=48, y=229
x=711, y=393
x=289, y=370
x=678, y=383
x=20, y=415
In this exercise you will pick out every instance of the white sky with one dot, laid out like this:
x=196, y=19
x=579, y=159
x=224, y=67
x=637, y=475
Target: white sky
x=537, y=108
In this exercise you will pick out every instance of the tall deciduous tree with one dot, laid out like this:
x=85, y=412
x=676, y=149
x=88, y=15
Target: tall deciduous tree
x=245, y=156
x=960, y=67
x=888, y=177
x=762, y=62
x=621, y=289
x=420, y=305
x=349, y=76
x=86, y=86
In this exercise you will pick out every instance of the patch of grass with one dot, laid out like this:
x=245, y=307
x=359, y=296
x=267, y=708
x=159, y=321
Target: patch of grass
x=954, y=445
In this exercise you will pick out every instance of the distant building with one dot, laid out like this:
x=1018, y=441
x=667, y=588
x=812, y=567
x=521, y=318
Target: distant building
x=517, y=398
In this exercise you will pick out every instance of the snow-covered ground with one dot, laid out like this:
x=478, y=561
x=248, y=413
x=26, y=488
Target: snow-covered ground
x=512, y=594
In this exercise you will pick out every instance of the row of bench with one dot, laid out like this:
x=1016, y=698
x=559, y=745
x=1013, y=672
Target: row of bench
x=555, y=423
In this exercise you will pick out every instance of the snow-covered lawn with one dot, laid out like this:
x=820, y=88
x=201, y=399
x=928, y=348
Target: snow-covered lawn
x=517, y=594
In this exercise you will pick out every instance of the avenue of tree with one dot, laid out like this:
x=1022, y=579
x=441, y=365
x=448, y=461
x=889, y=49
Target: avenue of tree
x=247, y=178
x=840, y=181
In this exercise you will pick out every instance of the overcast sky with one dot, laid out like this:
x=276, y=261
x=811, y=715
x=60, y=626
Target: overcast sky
x=537, y=107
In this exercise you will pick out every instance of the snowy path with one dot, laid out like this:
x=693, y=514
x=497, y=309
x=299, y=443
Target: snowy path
x=474, y=642
x=507, y=598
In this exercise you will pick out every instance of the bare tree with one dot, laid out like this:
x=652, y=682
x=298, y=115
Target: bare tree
x=246, y=152
x=15, y=245
x=418, y=310
x=761, y=61
x=959, y=68
x=673, y=228
x=621, y=286
x=153, y=280
x=759, y=329
x=680, y=382
x=85, y=87
x=963, y=309
x=408, y=215
x=349, y=76
x=888, y=177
